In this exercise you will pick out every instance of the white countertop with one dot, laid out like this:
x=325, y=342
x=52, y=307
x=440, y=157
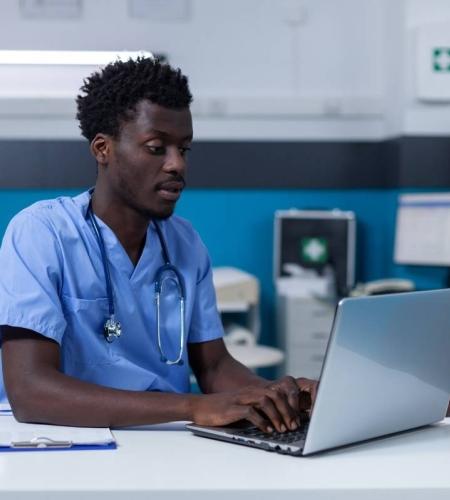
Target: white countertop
x=168, y=462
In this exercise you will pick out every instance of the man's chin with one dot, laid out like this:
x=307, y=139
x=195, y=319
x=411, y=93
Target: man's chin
x=160, y=214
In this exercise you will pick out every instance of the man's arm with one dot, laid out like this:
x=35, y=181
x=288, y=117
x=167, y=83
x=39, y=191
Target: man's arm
x=217, y=371
x=39, y=392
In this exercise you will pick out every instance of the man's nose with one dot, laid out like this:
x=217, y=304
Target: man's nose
x=175, y=162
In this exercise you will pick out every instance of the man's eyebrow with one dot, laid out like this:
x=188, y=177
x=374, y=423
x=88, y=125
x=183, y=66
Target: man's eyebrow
x=154, y=131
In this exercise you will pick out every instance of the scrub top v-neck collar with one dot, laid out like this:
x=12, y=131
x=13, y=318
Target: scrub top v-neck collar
x=119, y=258
x=116, y=253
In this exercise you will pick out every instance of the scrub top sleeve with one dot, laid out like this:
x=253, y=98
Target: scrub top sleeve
x=205, y=322
x=31, y=277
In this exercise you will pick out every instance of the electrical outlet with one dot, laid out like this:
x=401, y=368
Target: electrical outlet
x=51, y=9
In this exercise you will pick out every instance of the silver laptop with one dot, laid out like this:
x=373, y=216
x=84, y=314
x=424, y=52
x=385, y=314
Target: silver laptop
x=386, y=370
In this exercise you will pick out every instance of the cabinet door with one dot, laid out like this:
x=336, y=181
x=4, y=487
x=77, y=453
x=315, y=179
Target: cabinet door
x=304, y=362
x=305, y=327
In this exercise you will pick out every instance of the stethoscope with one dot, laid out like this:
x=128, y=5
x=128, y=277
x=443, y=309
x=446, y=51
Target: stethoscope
x=112, y=328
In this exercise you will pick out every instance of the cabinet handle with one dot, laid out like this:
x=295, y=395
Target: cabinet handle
x=321, y=314
x=320, y=335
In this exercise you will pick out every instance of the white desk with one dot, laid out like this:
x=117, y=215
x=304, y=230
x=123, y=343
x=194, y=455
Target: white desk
x=173, y=464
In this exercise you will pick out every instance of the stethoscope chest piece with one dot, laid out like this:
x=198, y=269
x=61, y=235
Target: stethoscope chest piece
x=112, y=329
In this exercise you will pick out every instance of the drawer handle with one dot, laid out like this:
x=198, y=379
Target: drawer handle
x=321, y=314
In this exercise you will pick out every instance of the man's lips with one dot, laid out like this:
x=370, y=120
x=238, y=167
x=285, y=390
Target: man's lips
x=170, y=190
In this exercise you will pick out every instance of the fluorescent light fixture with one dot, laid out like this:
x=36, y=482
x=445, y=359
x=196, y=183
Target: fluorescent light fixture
x=66, y=57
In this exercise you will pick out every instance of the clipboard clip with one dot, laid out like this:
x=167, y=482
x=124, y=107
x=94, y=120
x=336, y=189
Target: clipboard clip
x=41, y=442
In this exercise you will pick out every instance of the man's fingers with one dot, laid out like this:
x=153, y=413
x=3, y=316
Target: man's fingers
x=288, y=413
x=268, y=408
x=271, y=406
x=263, y=403
x=308, y=390
x=274, y=405
x=293, y=399
x=304, y=400
x=257, y=419
x=289, y=386
x=280, y=404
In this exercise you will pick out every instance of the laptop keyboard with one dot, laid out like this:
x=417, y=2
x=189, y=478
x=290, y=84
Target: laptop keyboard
x=276, y=437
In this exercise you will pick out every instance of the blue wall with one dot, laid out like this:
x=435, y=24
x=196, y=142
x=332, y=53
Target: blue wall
x=237, y=227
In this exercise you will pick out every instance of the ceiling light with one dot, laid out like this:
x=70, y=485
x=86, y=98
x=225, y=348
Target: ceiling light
x=66, y=57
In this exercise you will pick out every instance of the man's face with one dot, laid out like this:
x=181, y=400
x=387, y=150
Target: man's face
x=146, y=166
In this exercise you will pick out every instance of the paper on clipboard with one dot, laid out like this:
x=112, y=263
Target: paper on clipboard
x=16, y=435
x=5, y=409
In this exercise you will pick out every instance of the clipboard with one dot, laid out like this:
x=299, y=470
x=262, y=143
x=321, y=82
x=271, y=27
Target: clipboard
x=17, y=436
x=5, y=409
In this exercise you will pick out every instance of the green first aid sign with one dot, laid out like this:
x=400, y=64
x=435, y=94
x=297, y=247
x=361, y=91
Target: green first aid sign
x=314, y=250
x=441, y=59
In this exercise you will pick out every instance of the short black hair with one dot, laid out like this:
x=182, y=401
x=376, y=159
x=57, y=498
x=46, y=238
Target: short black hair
x=110, y=95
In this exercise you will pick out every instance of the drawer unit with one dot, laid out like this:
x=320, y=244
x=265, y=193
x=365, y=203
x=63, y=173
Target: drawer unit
x=304, y=361
x=304, y=327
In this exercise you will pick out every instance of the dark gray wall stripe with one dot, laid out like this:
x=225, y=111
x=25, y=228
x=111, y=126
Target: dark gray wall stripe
x=292, y=164
x=425, y=162
x=46, y=164
x=403, y=162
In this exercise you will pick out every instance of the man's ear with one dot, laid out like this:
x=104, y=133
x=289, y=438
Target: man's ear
x=101, y=148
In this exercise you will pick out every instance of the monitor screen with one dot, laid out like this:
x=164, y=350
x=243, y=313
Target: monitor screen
x=422, y=235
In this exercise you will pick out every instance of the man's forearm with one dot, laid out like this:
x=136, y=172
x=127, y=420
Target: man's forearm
x=39, y=392
x=56, y=398
x=229, y=375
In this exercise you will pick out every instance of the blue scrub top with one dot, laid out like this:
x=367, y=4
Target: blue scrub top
x=52, y=281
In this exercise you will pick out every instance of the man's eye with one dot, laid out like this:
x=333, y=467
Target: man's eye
x=184, y=150
x=156, y=150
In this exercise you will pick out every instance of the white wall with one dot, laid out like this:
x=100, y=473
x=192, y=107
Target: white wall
x=259, y=69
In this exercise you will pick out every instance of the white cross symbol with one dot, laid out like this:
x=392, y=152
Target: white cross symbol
x=443, y=59
x=314, y=250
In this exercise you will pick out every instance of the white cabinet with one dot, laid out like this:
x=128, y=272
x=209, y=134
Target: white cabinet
x=304, y=326
x=238, y=295
x=238, y=292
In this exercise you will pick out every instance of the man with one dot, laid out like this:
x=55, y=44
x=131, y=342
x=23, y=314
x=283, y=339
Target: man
x=83, y=341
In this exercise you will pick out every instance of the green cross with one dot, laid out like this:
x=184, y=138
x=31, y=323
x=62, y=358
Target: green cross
x=441, y=59
x=314, y=250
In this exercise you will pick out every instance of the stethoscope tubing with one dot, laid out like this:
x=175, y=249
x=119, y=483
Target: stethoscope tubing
x=159, y=282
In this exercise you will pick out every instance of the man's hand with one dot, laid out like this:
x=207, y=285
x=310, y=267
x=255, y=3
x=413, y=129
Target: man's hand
x=275, y=406
x=300, y=393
